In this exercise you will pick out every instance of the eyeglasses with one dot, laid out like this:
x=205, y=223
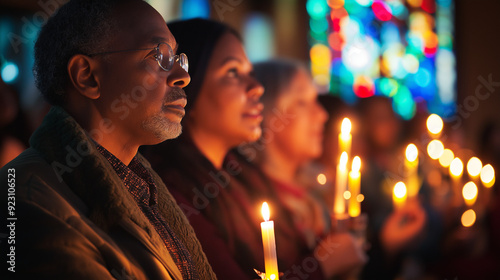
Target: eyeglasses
x=164, y=56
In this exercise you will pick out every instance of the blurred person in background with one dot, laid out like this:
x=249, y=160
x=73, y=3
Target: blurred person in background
x=14, y=129
x=288, y=145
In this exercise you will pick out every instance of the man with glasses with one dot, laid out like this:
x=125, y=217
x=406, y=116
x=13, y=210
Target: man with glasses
x=85, y=204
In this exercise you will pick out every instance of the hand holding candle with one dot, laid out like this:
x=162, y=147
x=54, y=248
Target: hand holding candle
x=270, y=259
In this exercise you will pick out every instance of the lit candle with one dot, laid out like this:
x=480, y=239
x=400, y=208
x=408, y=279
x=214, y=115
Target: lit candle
x=345, y=137
x=435, y=149
x=434, y=125
x=341, y=186
x=354, y=186
x=474, y=166
x=488, y=176
x=270, y=259
x=411, y=167
x=469, y=192
x=456, y=170
x=468, y=218
x=399, y=195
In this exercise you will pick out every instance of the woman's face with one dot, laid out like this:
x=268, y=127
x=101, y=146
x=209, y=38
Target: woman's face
x=300, y=135
x=228, y=106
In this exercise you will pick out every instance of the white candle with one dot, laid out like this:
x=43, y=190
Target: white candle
x=270, y=259
x=354, y=186
x=411, y=166
x=341, y=186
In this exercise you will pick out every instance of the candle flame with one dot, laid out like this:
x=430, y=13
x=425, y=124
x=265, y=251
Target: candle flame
x=411, y=152
x=474, y=166
x=469, y=191
x=265, y=211
x=446, y=158
x=434, y=124
x=488, y=175
x=346, y=126
x=435, y=149
x=468, y=218
x=356, y=164
x=343, y=160
x=400, y=190
x=456, y=167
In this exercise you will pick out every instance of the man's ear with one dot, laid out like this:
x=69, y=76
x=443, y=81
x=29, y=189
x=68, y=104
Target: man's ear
x=81, y=70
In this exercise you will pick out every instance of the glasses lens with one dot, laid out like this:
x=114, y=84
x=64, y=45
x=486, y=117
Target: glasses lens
x=165, y=56
x=183, y=62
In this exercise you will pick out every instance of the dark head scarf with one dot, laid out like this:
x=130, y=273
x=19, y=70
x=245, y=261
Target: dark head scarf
x=197, y=39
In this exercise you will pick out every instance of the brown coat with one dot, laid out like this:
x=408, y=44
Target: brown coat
x=76, y=219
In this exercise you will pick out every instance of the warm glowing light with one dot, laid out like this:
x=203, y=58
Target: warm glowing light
x=321, y=179
x=400, y=190
x=335, y=4
x=469, y=192
x=488, y=175
x=347, y=195
x=265, y=211
x=411, y=152
x=474, y=166
x=446, y=158
x=435, y=149
x=360, y=198
x=345, y=129
x=356, y=164
x=434, y=124
x=456, y=167
x=343, y=160
x=468, y=218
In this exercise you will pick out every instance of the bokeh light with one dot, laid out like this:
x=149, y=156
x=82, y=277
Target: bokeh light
x=434, y=124
x=381, y=10
x=469, y=192
x=474, y=166
x=321, y=178
x=411, y=152
x=446, y=158
x=347, y=195
x=488, y=175
x=435, y=149
x=400, y=190
x=468, y=218
x=195, y=8
x=317, y=8
x=456, y=167
x=10, y=72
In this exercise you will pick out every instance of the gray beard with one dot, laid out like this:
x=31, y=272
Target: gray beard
x=162, y=128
